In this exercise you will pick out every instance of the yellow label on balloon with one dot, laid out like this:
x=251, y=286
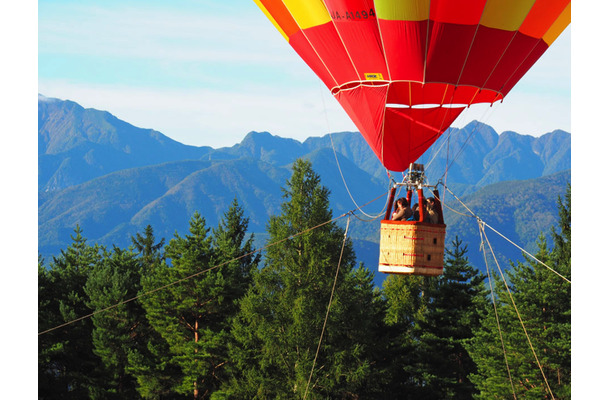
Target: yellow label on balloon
x=373, y=77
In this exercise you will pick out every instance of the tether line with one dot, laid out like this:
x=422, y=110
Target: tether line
x=332, y=292
x=504, y=237
x=208, y=269
x=493, y=300
x=510, y=295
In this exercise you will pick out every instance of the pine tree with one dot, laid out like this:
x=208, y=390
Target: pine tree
x=67, y=366
x=151, y=253
x=192, y=316
x=449, y=322
x=282, y=316
x=114, y=280
x=48, y=317
x=149, y=358
x=542, y=301
x=179, y=312
x=234, y=255
x=407, y=301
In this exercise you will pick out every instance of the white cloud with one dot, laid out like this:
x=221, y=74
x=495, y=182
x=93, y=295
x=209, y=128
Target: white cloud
x=207, y=117
x=268, y=87
x=158, y=33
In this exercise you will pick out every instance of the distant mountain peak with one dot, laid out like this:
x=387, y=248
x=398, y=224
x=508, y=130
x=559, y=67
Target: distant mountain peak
x=254, y=134
x=112, y=178
x=264, y=137
x=45, y=99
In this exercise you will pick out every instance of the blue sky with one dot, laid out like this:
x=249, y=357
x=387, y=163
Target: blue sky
x=163, y=64
x=208, y=72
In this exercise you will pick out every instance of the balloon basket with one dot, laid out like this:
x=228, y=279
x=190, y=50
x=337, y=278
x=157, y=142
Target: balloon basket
x=411, y=247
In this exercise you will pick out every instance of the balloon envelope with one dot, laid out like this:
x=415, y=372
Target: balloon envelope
x=404, y=70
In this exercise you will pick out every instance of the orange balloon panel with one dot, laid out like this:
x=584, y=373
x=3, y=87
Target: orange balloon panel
x=383, y=59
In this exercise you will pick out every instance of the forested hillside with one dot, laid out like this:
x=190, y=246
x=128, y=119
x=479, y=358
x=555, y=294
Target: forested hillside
x=202, y=316
x=113, y=179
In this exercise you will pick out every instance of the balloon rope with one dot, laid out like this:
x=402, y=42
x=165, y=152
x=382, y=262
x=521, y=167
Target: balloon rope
x=504, y=237
x=493, y=300
x=330, y=300
x=337, y=159
x=518, y=314
x=211, y=268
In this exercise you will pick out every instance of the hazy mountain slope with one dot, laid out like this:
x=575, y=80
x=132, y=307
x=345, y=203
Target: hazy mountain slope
x=113, y=179
x=77, y=144
x=477, y=156
x=100, y=204
x=520, y=210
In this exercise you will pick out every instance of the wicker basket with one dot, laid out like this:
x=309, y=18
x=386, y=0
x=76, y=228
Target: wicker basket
x=408, y=247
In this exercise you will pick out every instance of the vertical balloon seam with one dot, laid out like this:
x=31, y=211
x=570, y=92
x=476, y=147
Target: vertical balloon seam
x=385, y=108
x=312, y=47
x=508, y=79
x=427, y=44
x=444, y=116
x=342, y=41
x=540, y=40
x=515, y=32
x=457, y=83
x=385, y=56
x=383, y=125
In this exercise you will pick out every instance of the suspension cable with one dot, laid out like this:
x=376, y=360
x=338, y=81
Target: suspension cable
x=330, y=300
x=371, y=217
x=501, y=235
x=529, y=341
x=528, y=253
x=493, y=300
x=207, y=270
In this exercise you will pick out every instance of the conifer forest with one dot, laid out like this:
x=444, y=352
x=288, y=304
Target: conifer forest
x=207, y=316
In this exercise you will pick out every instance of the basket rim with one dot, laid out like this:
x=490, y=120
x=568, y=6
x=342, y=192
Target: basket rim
x=390, y=222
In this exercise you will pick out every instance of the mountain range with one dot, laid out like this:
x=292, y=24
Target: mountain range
x=112, y=179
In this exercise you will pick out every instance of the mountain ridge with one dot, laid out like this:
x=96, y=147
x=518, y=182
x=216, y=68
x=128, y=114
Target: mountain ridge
x=113, y=178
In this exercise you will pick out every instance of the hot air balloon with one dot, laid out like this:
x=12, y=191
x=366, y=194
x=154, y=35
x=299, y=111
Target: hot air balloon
x=404, y=70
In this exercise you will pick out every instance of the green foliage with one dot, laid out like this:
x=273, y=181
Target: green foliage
x=67, y=366
x=192, y=316
x=529, y=354
x=149, y=359
x=449, y=322
x=115, y=280
x=431, y=320
x=282, y=316
x=197, y=319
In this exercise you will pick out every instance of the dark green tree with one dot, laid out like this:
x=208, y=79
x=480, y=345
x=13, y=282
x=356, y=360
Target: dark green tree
x=179, y=312
x=234, y=254
x=205, y=282
x=282, y=316
x=149, y=357
x=67, y=365
x=449, y=322
x=116, y=327
x=540, y=298
x=48, y=317
x=151, y=254
x=407, y=302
